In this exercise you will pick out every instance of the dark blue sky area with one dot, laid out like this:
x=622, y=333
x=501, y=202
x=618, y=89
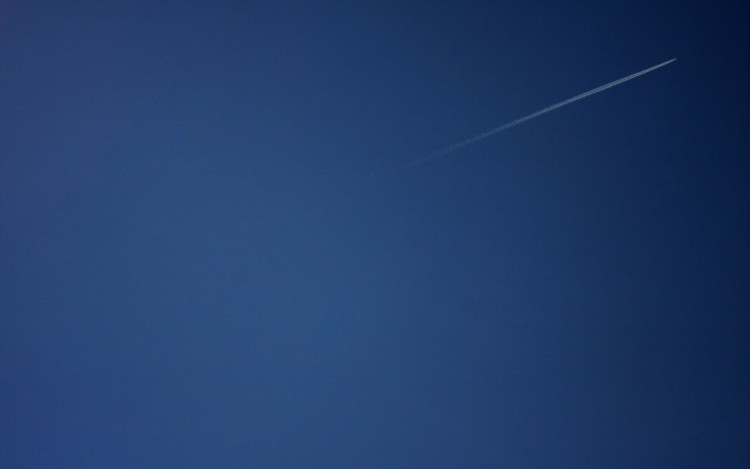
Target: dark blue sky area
x=198, y=270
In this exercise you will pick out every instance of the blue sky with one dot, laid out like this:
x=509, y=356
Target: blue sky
x=198, y=270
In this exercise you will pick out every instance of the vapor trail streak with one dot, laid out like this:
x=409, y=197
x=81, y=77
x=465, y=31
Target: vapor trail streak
x=514, y=123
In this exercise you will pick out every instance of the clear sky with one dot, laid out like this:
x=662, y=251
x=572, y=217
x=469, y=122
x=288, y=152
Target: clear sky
x=197, y=268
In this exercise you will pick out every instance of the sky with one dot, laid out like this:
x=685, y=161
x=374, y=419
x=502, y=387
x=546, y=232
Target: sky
x=207, y=260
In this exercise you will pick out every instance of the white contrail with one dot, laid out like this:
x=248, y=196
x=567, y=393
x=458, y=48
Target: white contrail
x=514, y=123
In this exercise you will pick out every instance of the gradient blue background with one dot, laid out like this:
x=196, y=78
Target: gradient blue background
x=197, y=269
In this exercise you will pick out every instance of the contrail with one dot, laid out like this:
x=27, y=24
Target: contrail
x=514, y=123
